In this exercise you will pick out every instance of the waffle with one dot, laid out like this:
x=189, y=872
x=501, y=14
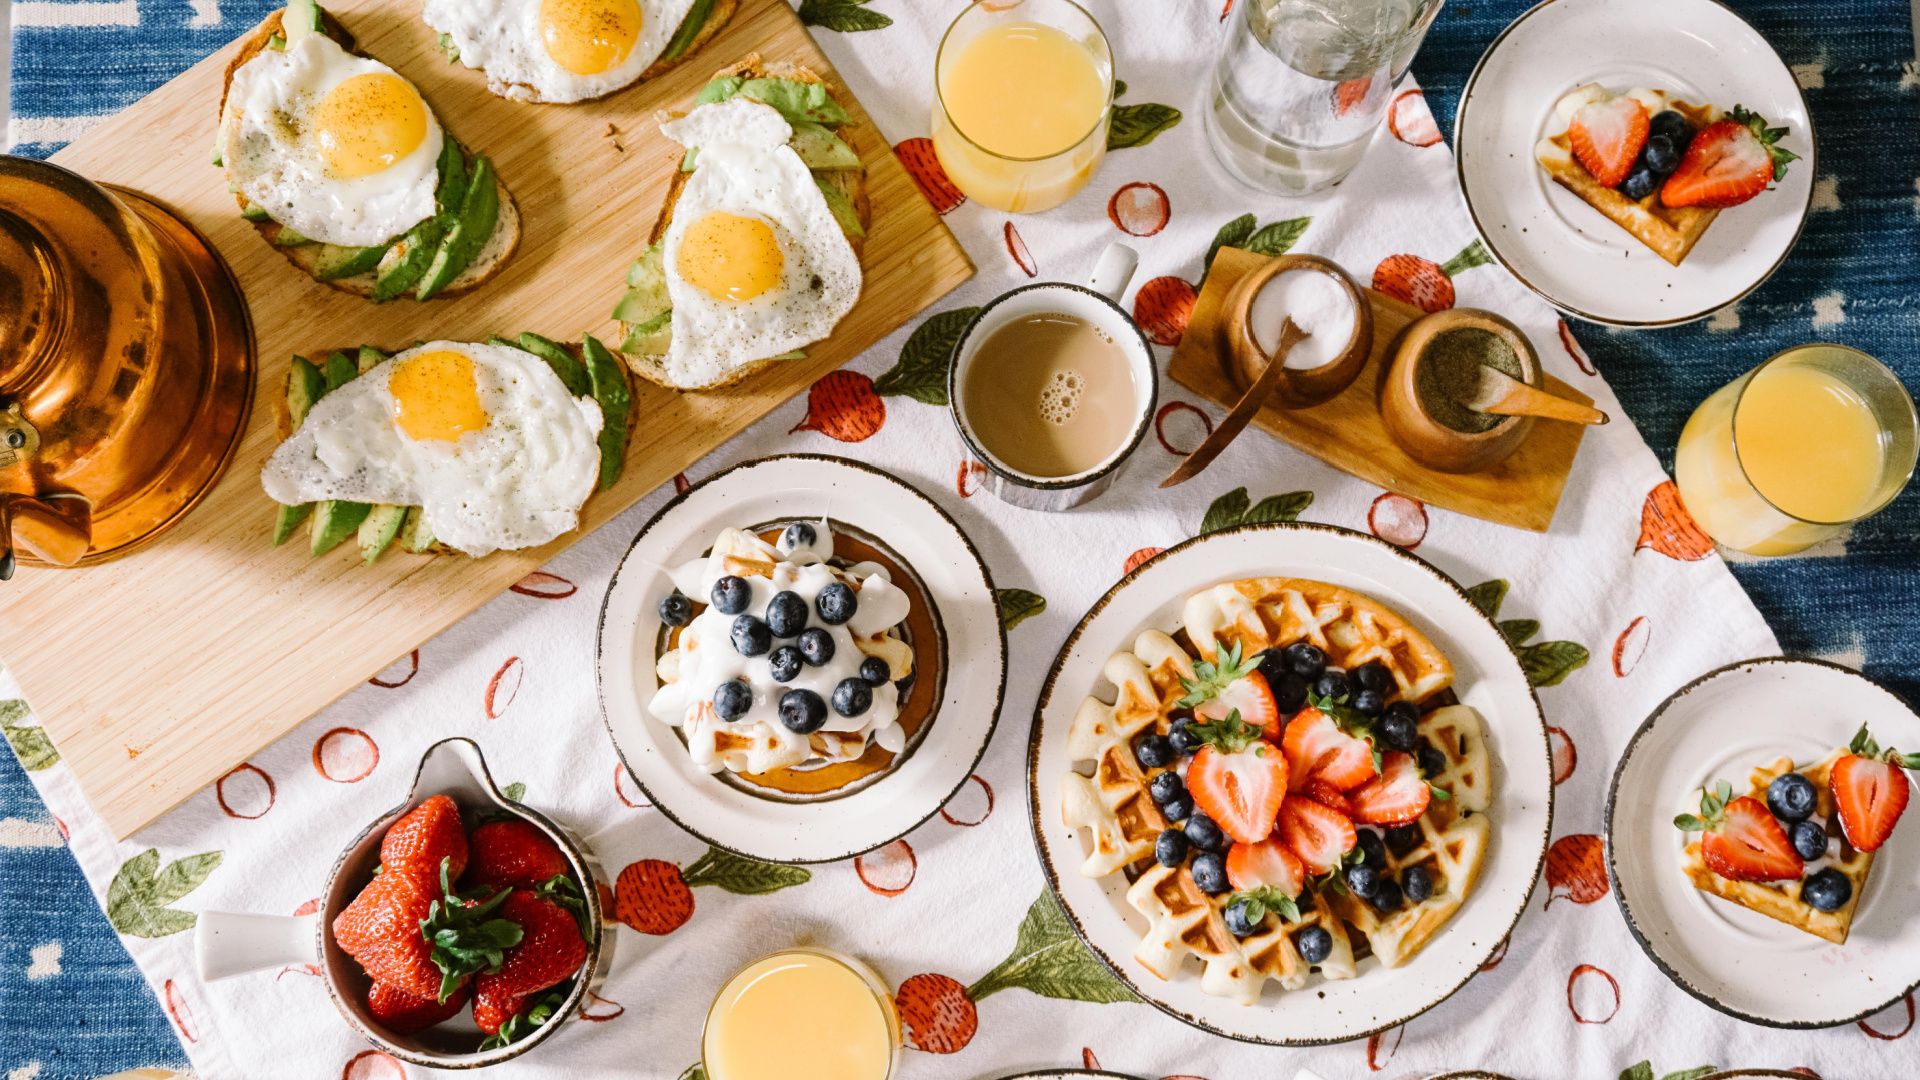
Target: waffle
x=1121, y=821
x=1781, y=899
x=1670, y=231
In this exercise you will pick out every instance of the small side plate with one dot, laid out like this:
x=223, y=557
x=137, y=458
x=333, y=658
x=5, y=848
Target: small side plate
x=1744, y=964
x=796, y=487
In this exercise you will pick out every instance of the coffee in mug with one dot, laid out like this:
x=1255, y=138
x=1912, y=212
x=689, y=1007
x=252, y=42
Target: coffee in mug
x=1051, y=394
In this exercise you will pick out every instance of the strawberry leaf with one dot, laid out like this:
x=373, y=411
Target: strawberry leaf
x=464, y=940
x=522, y=1024
x=1689, y=823
x=1863, y=745
x=1229, y=736
x=1264, y=899
x=1212, y=677
x=1439, y=793
x=1639, y=1070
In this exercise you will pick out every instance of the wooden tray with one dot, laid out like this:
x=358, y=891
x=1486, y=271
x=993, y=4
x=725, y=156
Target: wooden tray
x=1347, y=432
x=157, y=673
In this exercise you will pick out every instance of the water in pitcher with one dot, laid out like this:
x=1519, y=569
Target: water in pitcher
x=1302, y=85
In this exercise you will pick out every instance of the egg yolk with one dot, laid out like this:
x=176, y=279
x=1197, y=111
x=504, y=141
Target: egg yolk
x=368, y=122
x=435, y=397
x=588, y=37
x=730, y=257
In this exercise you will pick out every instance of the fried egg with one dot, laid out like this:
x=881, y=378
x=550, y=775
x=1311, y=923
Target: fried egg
x=557, y=50
x=756, y=263
x=485, y=439
x=337, y=147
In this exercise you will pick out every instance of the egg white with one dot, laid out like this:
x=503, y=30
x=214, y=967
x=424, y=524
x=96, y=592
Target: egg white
x=503, y=39
x=273, y=161
x=517, y=482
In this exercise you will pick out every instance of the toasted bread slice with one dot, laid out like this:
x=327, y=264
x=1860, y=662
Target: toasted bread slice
x=718, y=13
x=851, y=182
x=1670, y=231
x=493, y=254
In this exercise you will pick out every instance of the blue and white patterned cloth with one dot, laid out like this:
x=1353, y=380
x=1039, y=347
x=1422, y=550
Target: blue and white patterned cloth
x=73, y=1005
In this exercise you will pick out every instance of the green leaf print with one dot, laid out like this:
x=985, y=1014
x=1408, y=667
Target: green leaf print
x=695, y=1071
x=1138, y=125
x=139, y=895
x=1643, y=1070
x=12, y=711
x=1517, y=631
x=1017, y=606
x=1547, y=663
x=1119, y=88
x=1048, y=959
x=1279, y=237
x=846, y=16
x=1234, y=233
x=32, y=747
x=741, y=875
x=1488, y=596
x=921, y=372
x=1236, y=508
x=515, y=791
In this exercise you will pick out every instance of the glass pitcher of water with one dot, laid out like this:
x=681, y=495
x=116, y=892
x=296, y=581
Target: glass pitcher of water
x=1301, y=86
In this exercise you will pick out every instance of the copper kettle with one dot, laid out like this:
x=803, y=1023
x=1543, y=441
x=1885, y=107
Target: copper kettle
x=126, y=367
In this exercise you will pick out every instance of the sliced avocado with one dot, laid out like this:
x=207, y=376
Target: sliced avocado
x=842, y=207
x=686, y=159
x=340, y=370
x=451, y=50
x=646, y=297
x=288, y=238
x=689, y=29
x=277, y=42
x=368, y=357
x=797, y=354
x=334, y=521
x=301, y=17
x=288, y=518
x=334, y=262
x=479, y=211
x=218, y=160
x=719, y=89
x=572, y=372
x=376, y=533
x=405, y=262
x=610, y=389
x=650, y=338
x=797, y=101
x=304, y=387
x=254, y=212
x=414, y=534
x=822, y=149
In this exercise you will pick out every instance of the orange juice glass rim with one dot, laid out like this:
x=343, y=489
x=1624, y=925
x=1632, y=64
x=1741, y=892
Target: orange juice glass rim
x=939, y=92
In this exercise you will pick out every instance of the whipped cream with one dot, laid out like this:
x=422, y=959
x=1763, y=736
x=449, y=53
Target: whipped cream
x=705, y=656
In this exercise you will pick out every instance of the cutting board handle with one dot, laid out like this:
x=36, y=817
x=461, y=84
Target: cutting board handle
x=230, y=943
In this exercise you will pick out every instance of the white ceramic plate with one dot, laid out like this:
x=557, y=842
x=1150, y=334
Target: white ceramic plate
x=787, y=488
x=1744, y=964
x=1563, y=249
x=1487, y=677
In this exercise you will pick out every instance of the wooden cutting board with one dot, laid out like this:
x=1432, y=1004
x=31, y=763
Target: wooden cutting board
x=1348, y=434
x=157, y=673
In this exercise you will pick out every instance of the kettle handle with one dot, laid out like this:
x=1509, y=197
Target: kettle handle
x=57, y=527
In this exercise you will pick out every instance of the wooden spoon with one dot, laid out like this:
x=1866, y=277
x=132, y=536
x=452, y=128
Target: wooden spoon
x=1243, y=410
x=1503, y=395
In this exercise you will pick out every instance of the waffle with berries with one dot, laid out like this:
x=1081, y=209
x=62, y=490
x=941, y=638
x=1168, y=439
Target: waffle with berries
x=1671, y=231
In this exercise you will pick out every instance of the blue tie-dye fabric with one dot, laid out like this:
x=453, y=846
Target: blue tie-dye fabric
x=96, y=1016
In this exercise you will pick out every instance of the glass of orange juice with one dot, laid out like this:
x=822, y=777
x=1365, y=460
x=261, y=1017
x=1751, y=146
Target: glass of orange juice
x=802, y=1014
x=1023, y=98
x=1789, y=454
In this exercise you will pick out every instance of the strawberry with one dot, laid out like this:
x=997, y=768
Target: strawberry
x=1267, y=863
x=1317, y=834
x=419, y=939
x=1607, y=136
x=1237, y=778
x=404, y=1014
x=1398, y=796
x=513, y=851
x=1249, y=696
x=1728, y=162
x=427, y=834
x=1740, y=839
x=1870, y=790
x=1328, y=796
x=1319, y=748
x=550, y=952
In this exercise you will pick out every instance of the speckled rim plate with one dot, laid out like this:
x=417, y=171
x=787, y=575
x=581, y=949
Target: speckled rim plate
x=1741, y=963
x=1488, y=678
x=797, y=486
x=1569, y=253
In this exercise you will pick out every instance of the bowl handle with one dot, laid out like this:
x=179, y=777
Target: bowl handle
x=229, y=943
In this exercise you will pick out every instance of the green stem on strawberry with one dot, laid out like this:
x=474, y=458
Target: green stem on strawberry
x=520, y=1025
x=1211, y=677
x=465, y=941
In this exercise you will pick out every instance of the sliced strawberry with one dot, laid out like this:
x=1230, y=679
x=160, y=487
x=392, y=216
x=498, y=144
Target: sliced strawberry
x=1397, y=796
x=1328, y=796
x=1748, y=844
x=1319, y=750
x=1870, y=789
x=1318, y=834
x=1607, y=136
x=1239, y=789
x=1252, y=698
x=1266, y=864
x=1728, y=162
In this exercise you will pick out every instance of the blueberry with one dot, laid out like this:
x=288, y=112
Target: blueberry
x=1204, y=834
x=1418, y=883
x=1673, y=127
x=1396, y=730
x=1809, y=839
x=1273, y=664
x=676, y=609
x=1404, y=838
x=1431, y=761
x=875, y=671
x=816, y=646
x=731, y=595
x=1179, y=809
x=1387, y=898
x=1373, y=852
x=1240, y=920
x=1369, y=703
x=1289, y=693
x=802, y=711
x=1306, y=659
x=785, y=662
x=1166, y=787
x=836, y=604
x=1210, y=873
x=1639, y=183
x=1315, y=944
x=1171, y=848
x=751, y=636
x=1660, y=155
x=1182, y=737
x=1362, y=880
x=797, y=535
x=1828, y=890
x=1373, y=676
x=852, y=697
x=1791, y=797
x=1332, y=683
x=1153, y=751
x=732, y=699
x=786, y=614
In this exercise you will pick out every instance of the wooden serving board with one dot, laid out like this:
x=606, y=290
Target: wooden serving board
x=156, y=673
x=1348, y=434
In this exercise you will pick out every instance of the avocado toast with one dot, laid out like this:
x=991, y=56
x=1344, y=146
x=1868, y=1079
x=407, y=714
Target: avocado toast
x=818, y=138
x=469, y=236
